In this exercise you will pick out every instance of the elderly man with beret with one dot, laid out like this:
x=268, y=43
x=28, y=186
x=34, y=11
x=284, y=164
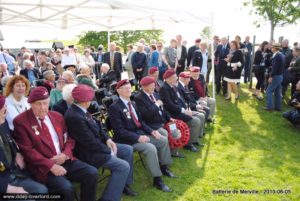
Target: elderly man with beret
x=129, y=128
x=178, y=109
x=13, y=175
x=95, y=147
x=48, y=150
x=154, y=73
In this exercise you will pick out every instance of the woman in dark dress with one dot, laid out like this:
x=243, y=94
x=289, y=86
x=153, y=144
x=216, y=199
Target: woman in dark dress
x=262, y=61
x=235, y=61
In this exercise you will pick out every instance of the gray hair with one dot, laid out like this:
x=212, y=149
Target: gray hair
x=48, y=73
x=27, y=62
x=67, y=74
x=67, y=91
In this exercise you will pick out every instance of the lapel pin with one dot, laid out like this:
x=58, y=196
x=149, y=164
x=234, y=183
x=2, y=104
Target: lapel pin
x=35, y=130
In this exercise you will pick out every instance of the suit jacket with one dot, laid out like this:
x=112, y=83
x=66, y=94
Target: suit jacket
x=185, y=94
x=190, y=54
x=90, y=139
x=118, y=65
x=172, y=103
x=107, y=79
x=183, y=56
x=153, y=116
x=95, y=57
x=197, y=59
x=191, y=87
x=125, y=130
x=61, y=107
x=221, y=53
x=35, y=147
x=24, y=72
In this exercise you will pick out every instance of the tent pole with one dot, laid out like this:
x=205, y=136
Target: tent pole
x=108, y=39
x=251, y=62
x=212, y=55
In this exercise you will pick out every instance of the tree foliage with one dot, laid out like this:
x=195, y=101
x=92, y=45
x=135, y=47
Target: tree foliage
x=277, y=12
x=206, y=33
x=122, y=38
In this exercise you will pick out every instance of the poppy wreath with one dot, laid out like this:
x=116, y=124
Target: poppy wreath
x=185, y=134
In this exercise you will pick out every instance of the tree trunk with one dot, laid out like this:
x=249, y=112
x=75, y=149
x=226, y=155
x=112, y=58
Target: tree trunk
x=272, y=31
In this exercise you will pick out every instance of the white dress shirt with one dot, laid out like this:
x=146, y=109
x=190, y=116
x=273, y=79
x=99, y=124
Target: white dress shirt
x=14, y=108
x=53, y=133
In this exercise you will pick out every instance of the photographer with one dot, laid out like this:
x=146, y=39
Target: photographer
x=294, y=115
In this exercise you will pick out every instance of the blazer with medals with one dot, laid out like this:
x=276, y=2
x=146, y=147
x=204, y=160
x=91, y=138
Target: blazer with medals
x=154, y=116
x=125, y=129
x=173, y=103
x=35, y=146
x=90, y=138
x=184, y=93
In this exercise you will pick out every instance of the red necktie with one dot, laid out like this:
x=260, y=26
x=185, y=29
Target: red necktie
x=136, y=121
x=46, y=132
x=152, y=98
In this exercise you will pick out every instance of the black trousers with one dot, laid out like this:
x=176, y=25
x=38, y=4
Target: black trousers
x=220, y=71
x=77, y=171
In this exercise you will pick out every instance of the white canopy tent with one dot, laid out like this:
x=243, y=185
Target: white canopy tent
x=101, y=15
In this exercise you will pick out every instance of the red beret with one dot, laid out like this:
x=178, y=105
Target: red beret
x=169, y=73
x=195, y=69
x=83, y=93
x=198, y=40
x=2, y=102
x=121, y=83
x=147, y=80
x=153, y=70
x=38, y=93
x=185, y=75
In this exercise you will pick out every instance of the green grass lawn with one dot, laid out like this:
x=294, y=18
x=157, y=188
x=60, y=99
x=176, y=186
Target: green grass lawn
x=247, y=149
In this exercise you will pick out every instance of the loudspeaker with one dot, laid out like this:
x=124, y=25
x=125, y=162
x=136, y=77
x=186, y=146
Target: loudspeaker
x=58, y=45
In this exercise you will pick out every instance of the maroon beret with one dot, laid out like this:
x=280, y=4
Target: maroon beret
x=83, y=93
x=198, y=40
x=169, y=73
x=185, y=75
x=153, y=70
x=121, y=83
x=2, y=101
x=38, y=93
x=195, y=69
x=147, y=80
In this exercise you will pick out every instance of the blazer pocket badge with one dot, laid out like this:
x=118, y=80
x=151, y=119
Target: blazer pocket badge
x=65, y=137
x=36, y=131
x=2, y=167
x=127, y=113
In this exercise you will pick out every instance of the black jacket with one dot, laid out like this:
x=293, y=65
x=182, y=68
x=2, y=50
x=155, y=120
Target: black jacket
x=107, y=79
x=153, y=116
x=125, y=130
x=90, y=138
x=172, y=103
x=190, y=54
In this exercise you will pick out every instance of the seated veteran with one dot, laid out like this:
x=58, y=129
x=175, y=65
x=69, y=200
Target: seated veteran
x=95, y=147
x=199, y=87
x=13, y=176
x=107, y=77
x=85, y=76
x=198, y=110
x=153, y=72
x=48, y=150
x=177, y=108
x=152, y=111
x=129, y=128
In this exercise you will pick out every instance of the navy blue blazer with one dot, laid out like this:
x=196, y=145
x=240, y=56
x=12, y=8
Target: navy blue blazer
x=125, y=130
x=185, y=94
x=197, y=59
x=24, y=72
x=172, y=103
x=278, y=62
x=190, y=53
x=153, y=116
x=90, y=139
x=118, y=65
x=222, y=53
